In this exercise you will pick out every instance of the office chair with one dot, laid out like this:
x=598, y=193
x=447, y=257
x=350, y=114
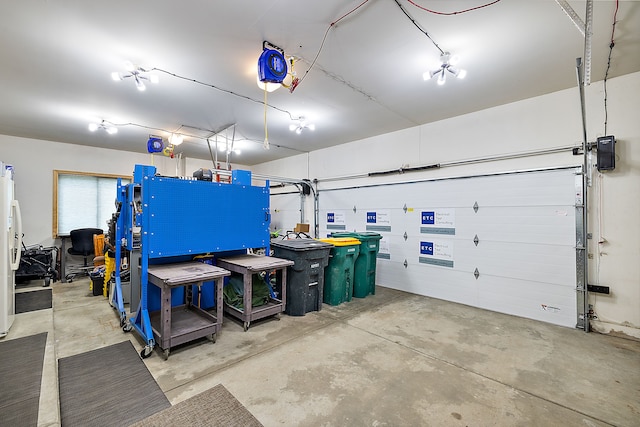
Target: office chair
x=82, y=245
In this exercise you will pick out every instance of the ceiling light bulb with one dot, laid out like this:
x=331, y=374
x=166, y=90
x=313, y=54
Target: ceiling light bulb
x=153, y=78
x=462, y=74
x=298, y=130
x=292, y=127
x=128, y=65
x=237, y=152
x=311, y=127
x=111, y=130
x=93, y=127
x=140, y=85
x=441, y=78
x=454, y=59
x=117, y=76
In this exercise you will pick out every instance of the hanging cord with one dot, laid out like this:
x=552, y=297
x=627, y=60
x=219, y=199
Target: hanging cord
x=222, y=90
x=324, y=39
x=265, y=145
x=452, y=13
x=418, y=26
x=606, y=74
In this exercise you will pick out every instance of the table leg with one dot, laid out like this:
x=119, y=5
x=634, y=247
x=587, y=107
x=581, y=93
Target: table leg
x=63, y=253
x=165, y=318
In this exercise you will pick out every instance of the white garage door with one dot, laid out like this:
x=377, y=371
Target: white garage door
x=285, y=211
x=504, y=242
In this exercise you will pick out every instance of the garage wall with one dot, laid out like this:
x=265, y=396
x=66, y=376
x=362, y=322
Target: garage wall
x=540, y=123
x=34, y=161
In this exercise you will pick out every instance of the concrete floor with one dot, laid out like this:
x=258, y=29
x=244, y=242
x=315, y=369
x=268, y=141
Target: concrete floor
x=393, y=359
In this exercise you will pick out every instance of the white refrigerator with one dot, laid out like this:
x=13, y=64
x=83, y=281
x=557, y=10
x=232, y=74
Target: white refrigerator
x=10, y=247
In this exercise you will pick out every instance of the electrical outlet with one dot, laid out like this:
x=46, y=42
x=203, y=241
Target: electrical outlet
x=590, y=256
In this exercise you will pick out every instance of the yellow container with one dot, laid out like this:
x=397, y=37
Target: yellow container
x=341, y=241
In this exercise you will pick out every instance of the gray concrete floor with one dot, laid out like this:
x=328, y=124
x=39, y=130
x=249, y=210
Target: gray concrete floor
x=392, y=359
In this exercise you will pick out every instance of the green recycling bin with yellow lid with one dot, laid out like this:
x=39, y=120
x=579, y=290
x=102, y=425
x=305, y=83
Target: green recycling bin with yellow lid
x=365, y=265
x=339, y=273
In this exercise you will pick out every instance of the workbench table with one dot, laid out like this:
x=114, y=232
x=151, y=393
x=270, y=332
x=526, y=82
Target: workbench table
x=180, y=324
x=248, y=265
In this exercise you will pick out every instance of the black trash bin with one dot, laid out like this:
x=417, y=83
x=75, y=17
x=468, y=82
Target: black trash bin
x=305, y=279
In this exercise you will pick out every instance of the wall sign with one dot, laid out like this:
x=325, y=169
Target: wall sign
x=383, y=250
x=379, y=220
x=336, y=220
x=438, y=221
x=436, y=252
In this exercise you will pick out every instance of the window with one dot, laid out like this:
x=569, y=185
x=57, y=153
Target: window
x=83, y=200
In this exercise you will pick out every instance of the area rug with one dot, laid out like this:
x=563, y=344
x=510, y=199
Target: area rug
x=214, y=407
x=110, y=386
x=21, y=362
x=33, y=300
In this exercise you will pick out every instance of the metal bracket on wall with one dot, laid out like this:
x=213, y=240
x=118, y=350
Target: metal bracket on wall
x=476, y=273
x=354, y=209
x=405, y=263
x=404, y=208
x=406, y=236
x=475, y=207
x=476, y=240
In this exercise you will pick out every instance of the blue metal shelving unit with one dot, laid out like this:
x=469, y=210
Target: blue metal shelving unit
x=175, y=219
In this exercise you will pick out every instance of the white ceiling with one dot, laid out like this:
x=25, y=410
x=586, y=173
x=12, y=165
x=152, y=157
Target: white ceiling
x=57, y=57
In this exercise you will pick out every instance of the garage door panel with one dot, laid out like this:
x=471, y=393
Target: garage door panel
x=285, y=211
x=533, y=300
x=453, y=286
x=526, y=239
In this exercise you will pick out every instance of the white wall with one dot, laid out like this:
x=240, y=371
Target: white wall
x=540, y=123
x=34, y=161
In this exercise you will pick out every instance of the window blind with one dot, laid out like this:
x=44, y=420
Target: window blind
x=85, y=201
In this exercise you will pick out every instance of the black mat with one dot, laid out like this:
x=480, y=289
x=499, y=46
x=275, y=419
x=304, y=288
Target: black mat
x=110, y=386
x=21, y=362
x=214, y=407
x=33, y=300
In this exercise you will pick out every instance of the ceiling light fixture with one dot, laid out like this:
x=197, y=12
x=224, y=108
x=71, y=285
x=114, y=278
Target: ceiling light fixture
x=269, y=87
x=176, y=139
x=447, y=63
x=301, y=125
x=106, y=126
x=139, y=75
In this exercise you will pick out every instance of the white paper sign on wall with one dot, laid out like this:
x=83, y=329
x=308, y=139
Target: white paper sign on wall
x=438, y=221
x=436, y=252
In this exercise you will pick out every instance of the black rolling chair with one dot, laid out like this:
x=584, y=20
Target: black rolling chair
x=82, y=245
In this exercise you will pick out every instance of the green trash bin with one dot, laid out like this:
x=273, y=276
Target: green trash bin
x=365, y=265
x=339, y=273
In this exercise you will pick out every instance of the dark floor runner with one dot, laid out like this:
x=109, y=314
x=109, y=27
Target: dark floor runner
x=214, y=407
x=110, y=386
x=33, y=300
x=21, y=362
